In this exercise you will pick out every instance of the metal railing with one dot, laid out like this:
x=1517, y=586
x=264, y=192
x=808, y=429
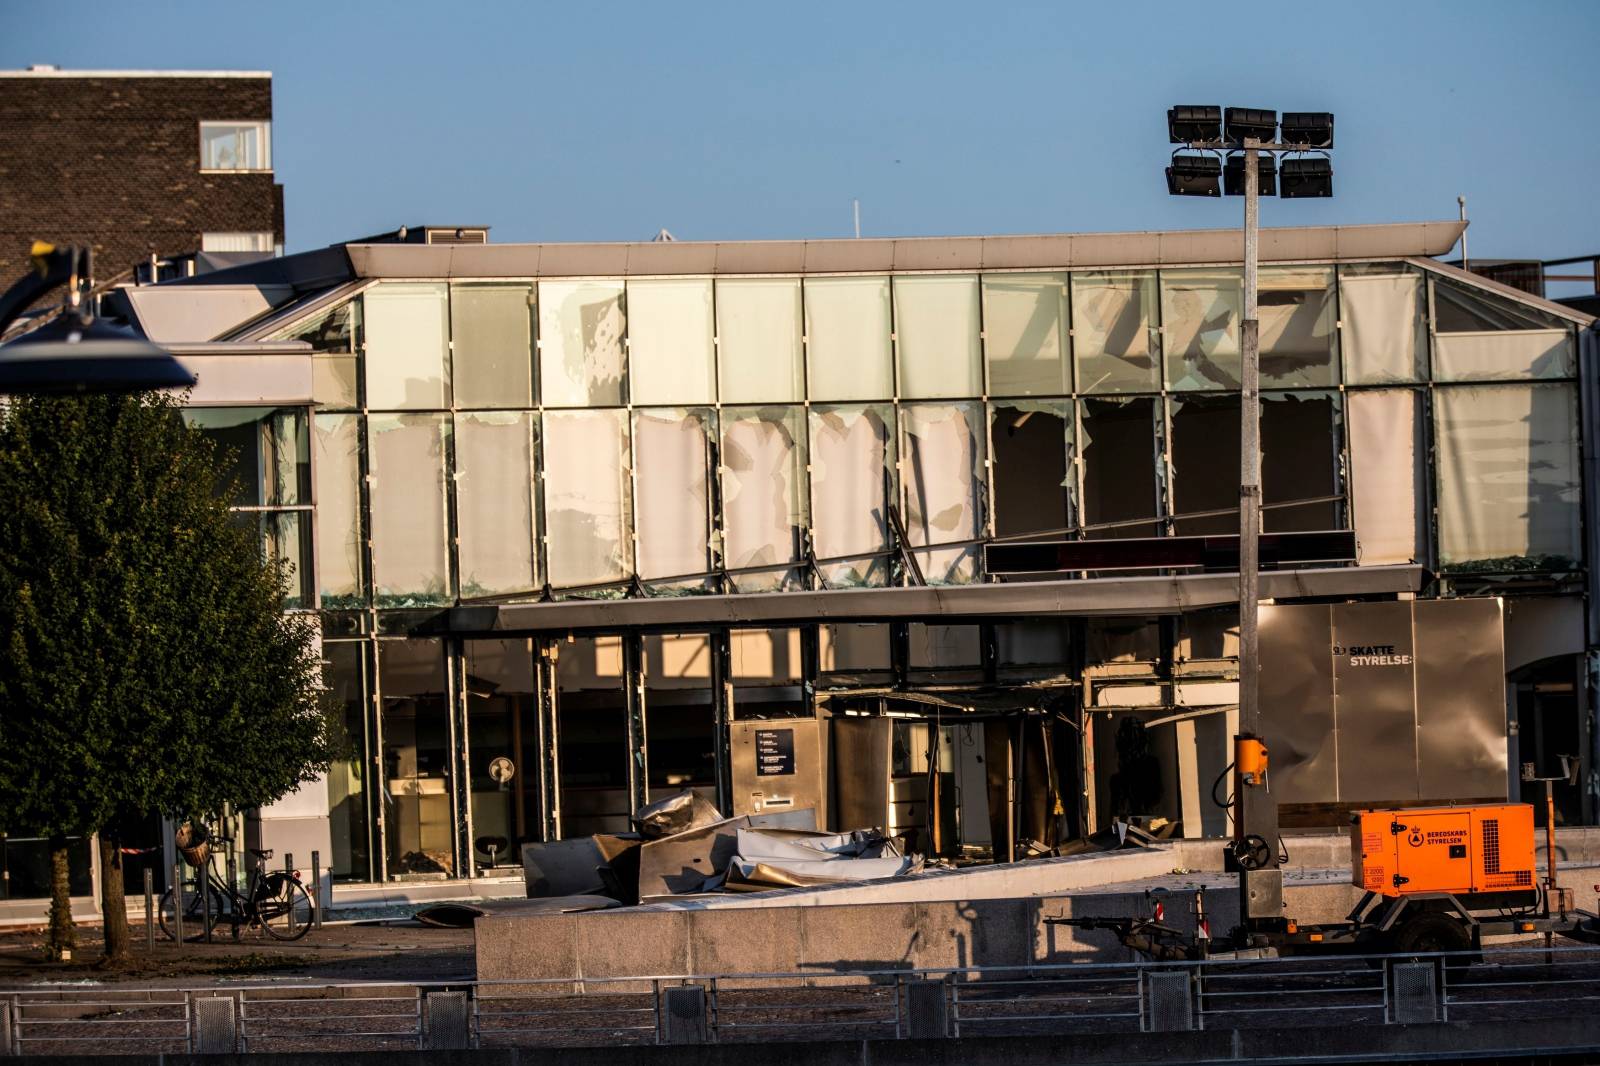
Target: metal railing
x=1497, y=984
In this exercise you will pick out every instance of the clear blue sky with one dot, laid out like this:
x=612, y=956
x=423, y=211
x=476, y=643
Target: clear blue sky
x=583, y=121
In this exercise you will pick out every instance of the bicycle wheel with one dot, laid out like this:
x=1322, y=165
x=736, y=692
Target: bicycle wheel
x=194, y=919
x=283, y=906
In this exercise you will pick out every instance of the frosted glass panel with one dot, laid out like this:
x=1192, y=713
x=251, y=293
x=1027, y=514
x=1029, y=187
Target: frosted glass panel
x=410, y=563
x=1508, y=477
x=581, y=326
x=494, y=502
x=1382, y=331
x=763, y=487
x=1114, y=341
x=337, y=440
x=1296, y=312
x=669, y=342
x=1503, y=355
x=848, y=339
x=943, y=476
x=758, y=340
x=852, y=485
x=492, y=345
x=671, y=490
x=1200, y=312
x=408, y=332
x=586, y=497
x=936, y=331
x=1025, y=333
x=1382, y=429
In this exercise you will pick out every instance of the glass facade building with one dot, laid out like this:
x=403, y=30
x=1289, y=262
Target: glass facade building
x=602, y=440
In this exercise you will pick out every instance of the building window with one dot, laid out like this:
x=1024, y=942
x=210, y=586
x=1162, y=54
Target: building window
x=236, y=242
x=235, y=146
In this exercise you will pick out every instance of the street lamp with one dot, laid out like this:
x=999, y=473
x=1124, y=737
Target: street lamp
x=1251, y=137
x=76, y=353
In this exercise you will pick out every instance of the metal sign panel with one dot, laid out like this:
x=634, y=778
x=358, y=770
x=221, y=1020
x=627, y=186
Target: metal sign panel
x=1461, y=693
x=1375, y=702
x=1296, y=694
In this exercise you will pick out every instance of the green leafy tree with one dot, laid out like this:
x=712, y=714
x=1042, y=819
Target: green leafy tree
x=146, y=664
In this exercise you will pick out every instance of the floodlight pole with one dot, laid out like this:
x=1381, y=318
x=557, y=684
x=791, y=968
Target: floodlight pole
x=1249, y=454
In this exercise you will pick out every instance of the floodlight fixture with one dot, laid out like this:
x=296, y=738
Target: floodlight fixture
x=1311, y=128
x=1303, y=178
x=1187, y=123
x=1194, y=174
x=1266, y=174
x=1242, y=122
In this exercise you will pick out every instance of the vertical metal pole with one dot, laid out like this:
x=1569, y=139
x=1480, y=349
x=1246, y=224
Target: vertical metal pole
x=203, y=881
x=722, y=718
x=1249, y=456
x=149, y=909
x=177, y=901
x=231, y=866
x=288, y=886
x=633, y=699
x=316, y=890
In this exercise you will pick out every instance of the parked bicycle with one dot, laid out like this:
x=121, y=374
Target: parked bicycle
x=275, y=901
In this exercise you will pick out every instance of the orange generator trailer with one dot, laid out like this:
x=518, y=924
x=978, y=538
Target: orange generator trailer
x=1463, y=851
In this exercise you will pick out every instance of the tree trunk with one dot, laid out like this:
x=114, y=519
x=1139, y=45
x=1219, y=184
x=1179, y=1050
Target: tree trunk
x=112, y=903
x=62, y=936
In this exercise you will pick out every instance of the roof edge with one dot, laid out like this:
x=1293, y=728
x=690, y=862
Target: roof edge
x=1467, y=277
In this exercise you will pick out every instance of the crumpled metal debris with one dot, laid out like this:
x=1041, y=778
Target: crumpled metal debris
x=678, y=813
x=790, y=859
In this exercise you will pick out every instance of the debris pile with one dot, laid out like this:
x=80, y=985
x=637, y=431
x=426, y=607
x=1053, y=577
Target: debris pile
x=683, y=845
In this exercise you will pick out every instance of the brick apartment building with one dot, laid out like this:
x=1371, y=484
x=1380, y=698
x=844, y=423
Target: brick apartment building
x=137, y=163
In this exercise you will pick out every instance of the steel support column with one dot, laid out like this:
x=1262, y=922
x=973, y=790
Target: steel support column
x=638, y=754
x=722, y=716
x=547, y=738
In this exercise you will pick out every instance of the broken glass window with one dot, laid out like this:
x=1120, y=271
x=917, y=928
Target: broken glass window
x=1030, y=467
x=936, y=330
x=410, y=558
x=1205, y=465
x=491, y=346
x=671, y=492
x=407, y=339
x=1114, y=338
x=758, y=340
x=333, y=339
x=1385, y=474
x=848, y=343
x=1383, y=335
x=763, y=495
x=852, y=485
x=1297, y=335
x=1025, y=334
x=1507, y=460
x=581, y=330
x=1200, y=312
x=586, y=497
x=942, y=446
x=1299, y=462
x=670, y=341
x=337, y=440
x=494, y=502
x=1118, y=445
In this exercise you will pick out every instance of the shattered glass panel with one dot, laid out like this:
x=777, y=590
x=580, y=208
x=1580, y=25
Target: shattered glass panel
x=332, y=336
x=586, y=509
x=1030, y=467
x=936, y=329
x=1504, y=355
x=670, y=351
x=1300, y=435
x=581, y=328
x=1118, y=445
x=848, y=342
x=1385, y=472
x=491, y=345
x=1025, y=334
x=1200, y=312
x=852, y=485
x=671, y=491
x=337, y=440
x=410, y=558
x=1205, y=465
x=1298, y=339
x=763, y=495
x=407, y=339
x=758, y=340
x=1114, y=339
x=494, y=502
x=943, y=480
x=1383, y=334
x=1460, y=308
x=1507, y=459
